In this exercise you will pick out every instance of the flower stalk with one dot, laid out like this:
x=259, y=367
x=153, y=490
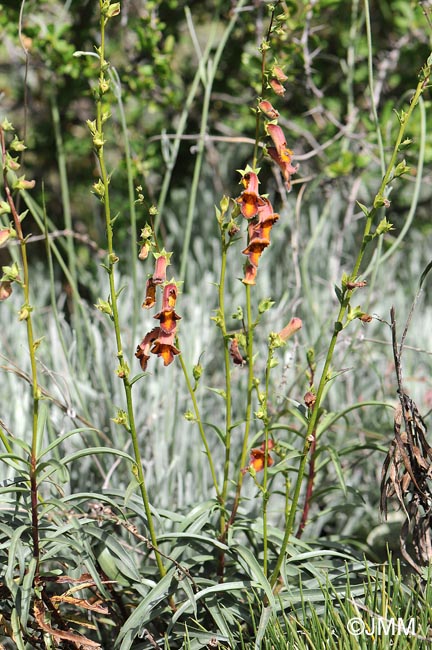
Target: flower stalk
x=101, y=188
x=228, y=397
x=10, y=164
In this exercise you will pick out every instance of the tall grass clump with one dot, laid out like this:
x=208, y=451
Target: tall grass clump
x=213, y=479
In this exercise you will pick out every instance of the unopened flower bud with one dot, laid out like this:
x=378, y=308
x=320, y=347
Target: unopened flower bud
x=24, y=313
x=4, y=207
x=22, y=184
x=197, y=371
x=279, y=73
x=6, y=125
x=121, y=418
x=144, y=251
x=268, y=110
x=233, y=228
x=293, y=326
x=5, y=290
x=4, y=236
x=277, y=87
x=12, y=163
x=17, y=145
x=224, y=204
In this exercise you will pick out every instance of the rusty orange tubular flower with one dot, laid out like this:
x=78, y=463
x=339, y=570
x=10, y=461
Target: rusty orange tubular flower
x=279, y=74
x=289, y=330
x=164, y=347
x=281, y=154
x=150, y=297
x=259, y=239
x=266, y=218
x=158, y=277
x=268, y=109
x=257, y=457
x=162, y=261
x=5, y=234
x=143, y=349
x=277, y=87
x=249, y=200
x=250, y=273
x=167, y=316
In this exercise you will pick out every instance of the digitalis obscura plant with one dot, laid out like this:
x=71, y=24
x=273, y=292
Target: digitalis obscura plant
x=162, y=341
x=257, y=210
x=21, y=276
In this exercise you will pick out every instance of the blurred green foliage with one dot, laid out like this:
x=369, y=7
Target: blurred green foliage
x=321, y=48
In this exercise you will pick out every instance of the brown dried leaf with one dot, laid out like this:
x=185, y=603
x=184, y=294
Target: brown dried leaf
x=81, y=602
x=81, y=642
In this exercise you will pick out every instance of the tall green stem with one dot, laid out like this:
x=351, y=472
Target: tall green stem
x=248, y=414
x=264, y=47
x=66, y=206
x=130, y=183
x=26, y=314
x=228, y=396
x=200, y=426
x=123, y=370
x=227, y=367
x=264, y=414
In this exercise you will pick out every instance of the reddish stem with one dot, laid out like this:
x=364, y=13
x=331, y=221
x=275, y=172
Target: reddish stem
x=309, y=487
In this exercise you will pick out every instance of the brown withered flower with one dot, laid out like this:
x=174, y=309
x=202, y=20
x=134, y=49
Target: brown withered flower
x=235, y=353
